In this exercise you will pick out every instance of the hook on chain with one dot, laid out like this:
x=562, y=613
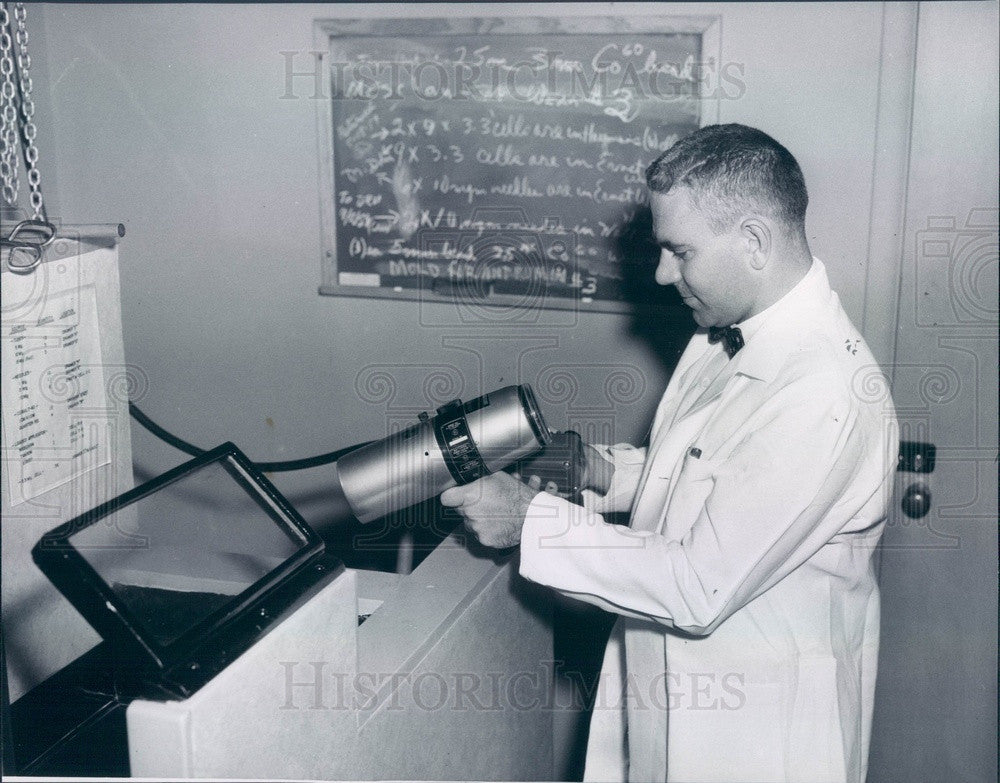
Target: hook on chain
x=26, y=243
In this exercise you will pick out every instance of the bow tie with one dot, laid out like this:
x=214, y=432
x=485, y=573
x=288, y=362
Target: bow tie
x=731, y=336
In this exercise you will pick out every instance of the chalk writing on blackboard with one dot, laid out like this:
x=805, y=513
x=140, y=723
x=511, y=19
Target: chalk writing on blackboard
x=501, y=165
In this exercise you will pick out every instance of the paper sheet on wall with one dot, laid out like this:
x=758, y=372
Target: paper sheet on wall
x=53, y=380
x=66, y=440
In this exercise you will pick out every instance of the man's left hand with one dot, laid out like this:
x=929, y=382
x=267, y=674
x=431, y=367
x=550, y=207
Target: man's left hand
x=494, y=508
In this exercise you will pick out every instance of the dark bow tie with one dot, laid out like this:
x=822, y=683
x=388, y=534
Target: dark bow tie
x=731, y=336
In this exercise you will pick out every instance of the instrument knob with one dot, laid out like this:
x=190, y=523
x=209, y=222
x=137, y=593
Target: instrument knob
x=916, y=501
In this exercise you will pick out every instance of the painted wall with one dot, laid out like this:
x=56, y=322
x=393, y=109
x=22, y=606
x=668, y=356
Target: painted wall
x=939, y=572
x=170, y=119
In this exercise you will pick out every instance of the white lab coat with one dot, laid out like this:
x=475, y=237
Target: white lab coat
x=748, y=638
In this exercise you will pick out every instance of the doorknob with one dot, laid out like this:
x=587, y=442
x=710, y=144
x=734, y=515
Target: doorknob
x=916, y=501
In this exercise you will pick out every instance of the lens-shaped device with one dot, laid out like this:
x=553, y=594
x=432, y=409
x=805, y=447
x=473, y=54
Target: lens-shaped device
x=463, y=442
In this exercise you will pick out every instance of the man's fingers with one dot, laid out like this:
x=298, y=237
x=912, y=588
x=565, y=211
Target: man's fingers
x=453, y=497
x=535, y=482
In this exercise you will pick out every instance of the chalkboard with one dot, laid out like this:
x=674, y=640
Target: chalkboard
x=500, y=160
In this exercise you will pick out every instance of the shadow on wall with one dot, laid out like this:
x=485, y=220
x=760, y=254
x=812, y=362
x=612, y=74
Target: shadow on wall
x=658, y=315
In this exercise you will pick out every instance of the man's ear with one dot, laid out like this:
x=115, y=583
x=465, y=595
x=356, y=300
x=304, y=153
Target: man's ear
x=756, y=234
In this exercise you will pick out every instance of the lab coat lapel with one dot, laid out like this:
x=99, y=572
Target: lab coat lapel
x=678, y=430
x=715, y=390
x=680, y=382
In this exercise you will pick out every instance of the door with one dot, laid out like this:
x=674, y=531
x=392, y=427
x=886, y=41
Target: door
x=936, y=699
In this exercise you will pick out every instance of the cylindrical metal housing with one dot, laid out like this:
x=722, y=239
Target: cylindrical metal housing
x=461, y=443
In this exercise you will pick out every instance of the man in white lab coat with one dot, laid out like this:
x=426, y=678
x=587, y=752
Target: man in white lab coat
x=747, y=639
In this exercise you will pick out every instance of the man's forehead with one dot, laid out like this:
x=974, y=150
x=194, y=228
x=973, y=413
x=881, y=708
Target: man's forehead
x=673, y=211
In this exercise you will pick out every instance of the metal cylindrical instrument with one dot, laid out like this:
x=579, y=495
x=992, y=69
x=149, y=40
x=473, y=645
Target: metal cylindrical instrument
x=463, y=442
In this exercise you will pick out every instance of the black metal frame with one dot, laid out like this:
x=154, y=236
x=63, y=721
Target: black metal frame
x=179, y=667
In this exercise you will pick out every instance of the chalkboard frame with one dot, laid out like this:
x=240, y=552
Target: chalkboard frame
x=326, y=33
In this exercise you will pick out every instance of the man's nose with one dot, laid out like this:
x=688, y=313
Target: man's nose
x=668, y=272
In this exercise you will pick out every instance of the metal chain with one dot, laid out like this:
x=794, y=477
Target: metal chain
x=8, y=112
x=28, y=129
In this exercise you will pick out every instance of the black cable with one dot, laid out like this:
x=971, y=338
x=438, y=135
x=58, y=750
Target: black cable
x=162, y=434
x=264, y=467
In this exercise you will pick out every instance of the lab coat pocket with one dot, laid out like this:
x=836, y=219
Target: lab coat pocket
x=692, y=487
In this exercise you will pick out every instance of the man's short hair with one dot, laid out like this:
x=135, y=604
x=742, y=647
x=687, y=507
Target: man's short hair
x=733, y=170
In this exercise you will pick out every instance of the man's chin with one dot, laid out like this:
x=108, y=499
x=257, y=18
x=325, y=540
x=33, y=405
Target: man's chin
x=697, y=313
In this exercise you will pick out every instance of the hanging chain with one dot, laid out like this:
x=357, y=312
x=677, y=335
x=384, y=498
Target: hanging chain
x=28, y=129
x=12, y=122
x=8, y=112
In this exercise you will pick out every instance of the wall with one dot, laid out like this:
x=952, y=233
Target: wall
x=939, y=572
x=169, y=119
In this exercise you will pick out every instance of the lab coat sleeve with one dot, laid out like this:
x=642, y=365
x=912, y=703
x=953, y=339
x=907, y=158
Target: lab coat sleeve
x=795, y=480
x=628, y=462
